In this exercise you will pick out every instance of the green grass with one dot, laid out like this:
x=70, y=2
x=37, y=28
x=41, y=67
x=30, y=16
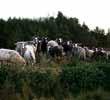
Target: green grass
x=49, y=80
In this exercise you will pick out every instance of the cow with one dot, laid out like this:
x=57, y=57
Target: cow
x=107, y=55
x=89, y=52
x=29, y=54
x=11, y=56
x=20, y=47
x=54, y=49
x=99, y=53
x=79, y=52
x=68, y=46
x=44, y=42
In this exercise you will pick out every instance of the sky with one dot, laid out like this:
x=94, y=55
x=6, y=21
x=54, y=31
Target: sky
x=92, y=12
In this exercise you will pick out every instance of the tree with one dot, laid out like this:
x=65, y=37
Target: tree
x=108, y=38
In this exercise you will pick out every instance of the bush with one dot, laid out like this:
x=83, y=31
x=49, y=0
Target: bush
x=41, y=83
x=106, y=70
x=3, y=76
x=82, y=77
x=72, y=78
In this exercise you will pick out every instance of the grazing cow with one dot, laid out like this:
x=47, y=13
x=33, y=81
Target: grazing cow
x=67, y=45
x=44, y=45
x=99, y=53
x=79, y=52
x=52, y=43
x=54, y=49
x=89, y=53
x=107, y=55
x=59, y=41
x=41, y=45
x=11, y=56
x=35, y=39
x=28, y=48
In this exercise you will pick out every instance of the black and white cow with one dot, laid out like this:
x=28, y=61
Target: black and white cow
x=54, y=49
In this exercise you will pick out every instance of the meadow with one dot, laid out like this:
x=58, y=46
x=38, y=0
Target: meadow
x=53, y=80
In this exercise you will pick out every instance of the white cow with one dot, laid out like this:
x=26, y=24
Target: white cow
x=11, y=56
x=107, y=55
x=20, y=47
x=79, y=52
x=89, y=53
x=29, y=54
x=52, y=43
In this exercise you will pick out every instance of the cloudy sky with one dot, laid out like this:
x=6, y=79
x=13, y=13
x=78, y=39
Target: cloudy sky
x=92, y=12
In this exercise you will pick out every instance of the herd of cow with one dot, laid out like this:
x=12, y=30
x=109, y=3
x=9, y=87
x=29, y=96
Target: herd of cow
x=28, y=52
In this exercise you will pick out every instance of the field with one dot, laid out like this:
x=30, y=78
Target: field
x=56, y=80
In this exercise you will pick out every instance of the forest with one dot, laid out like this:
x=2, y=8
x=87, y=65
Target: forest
x=23, y=29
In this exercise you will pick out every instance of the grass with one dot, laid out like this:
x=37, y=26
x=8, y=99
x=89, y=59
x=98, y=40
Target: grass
x=43, y=80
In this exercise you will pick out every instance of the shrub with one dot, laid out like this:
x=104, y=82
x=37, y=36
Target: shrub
x=82, y=77
x=71, y=78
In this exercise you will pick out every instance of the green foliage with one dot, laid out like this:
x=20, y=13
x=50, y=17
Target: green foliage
x=106, y=70
x=41, y=83
x=98, y=94
x=72, y=79
x=82, y=77
x=14, y=30
x=3, y=76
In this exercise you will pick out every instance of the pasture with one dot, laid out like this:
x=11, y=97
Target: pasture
x=86, y=77
x=69, y=79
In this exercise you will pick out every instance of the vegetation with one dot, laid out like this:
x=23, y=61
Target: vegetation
x=68, y=80
x=14, y=30
x=77, y=80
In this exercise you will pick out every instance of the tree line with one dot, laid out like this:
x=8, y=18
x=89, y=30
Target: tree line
x=22, y=29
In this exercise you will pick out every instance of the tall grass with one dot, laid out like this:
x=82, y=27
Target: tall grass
x=69, y=80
